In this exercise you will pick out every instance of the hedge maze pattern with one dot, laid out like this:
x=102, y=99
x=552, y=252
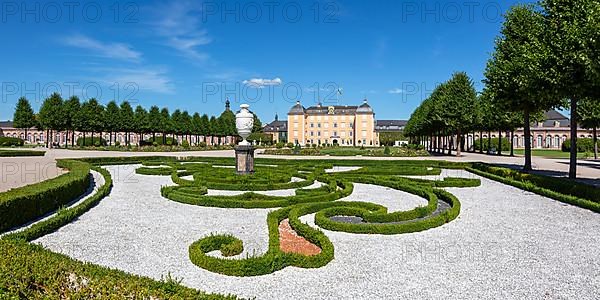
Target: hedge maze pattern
x=331, y=214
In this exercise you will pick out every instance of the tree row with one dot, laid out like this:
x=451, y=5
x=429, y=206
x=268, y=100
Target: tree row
x=71, y=115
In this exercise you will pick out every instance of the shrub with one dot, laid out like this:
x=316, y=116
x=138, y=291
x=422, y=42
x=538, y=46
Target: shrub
x=386, y=150
x=21, y=205
x=185, y=144
x=10, y=141
x=158, y=141
x=202, y=144
x=279, y=145
x=583, y=145
x=97, y=141
x=14, y=153
x=505, y=144
x=117, y=143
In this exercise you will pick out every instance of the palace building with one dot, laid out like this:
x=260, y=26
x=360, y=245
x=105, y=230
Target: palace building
x=332, y=125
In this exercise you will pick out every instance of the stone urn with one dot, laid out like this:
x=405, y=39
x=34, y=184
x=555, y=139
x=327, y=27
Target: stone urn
x=244, y=121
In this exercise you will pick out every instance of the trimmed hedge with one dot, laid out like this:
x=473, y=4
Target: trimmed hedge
x=583, y=145
x=30, y=271
x=97, y=141
x=322, y=201
x=561, y=189
x=15, y=153
x=505, y=144
x=6, y=141
x=65, y=216
x=21, y=205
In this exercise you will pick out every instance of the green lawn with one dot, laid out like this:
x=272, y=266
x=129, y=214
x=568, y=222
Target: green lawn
x=548, y=153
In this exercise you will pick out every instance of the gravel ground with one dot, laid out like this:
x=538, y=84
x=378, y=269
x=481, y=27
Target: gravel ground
x=506, y=244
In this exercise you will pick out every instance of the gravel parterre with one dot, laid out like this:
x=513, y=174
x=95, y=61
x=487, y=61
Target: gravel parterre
x=506, y=244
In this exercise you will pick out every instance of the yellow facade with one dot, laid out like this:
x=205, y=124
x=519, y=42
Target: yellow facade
x=329, y=125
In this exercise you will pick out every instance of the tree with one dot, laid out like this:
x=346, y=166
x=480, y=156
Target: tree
x=127, y=118
x=571, y=32
x=112, y=120
x=589, y=117
x=186, y=125
x=457, y=105
x=51, y=116
x=177, y=123
x=24, y=117
x=197, y=126
x=165, y=124
x=256, y=127
x=205, y=126
x=93, y=112
x=71, y=109
x=154, y=121
x=215, y=127
x=516, y=74
x=140, y=123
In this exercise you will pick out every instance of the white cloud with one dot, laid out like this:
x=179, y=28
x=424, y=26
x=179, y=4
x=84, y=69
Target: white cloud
x=143, y=79
x=179, y=26
x=396, y=91
x=110, y=50
x=261, y=82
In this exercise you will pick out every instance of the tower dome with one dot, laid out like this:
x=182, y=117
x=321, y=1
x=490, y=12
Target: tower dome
x=364, y=108
x=297, y=109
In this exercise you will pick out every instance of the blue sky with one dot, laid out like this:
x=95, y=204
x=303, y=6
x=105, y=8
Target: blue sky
x=192, y=55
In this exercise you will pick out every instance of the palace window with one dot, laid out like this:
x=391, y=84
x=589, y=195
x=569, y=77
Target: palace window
x=334, y=125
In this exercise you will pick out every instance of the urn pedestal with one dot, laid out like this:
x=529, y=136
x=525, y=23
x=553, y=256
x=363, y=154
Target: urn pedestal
x=244, y=152
x=244, y=159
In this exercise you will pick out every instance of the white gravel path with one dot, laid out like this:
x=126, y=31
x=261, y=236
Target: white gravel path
x=280, y=193
x=336, y=169
x=506, y=244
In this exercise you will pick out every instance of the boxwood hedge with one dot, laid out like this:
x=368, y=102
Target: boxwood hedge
x=21, y=205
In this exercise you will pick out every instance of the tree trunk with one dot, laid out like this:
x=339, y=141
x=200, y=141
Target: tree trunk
x=83, y=144
x=527, y=132
x=481, y=142
x=25, y=134
x=499, y=142
x=73, y=138
x=512, y=143
x=573, y=158
x=489, y=142
x=458, y=143
x=595, y=139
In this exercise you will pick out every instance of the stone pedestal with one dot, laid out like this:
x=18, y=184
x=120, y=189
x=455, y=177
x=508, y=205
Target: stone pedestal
x=244, y=159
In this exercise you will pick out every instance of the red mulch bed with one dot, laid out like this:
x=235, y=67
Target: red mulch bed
x=291, y=242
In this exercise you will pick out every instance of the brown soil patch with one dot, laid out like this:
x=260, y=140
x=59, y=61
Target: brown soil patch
x=291, y=242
